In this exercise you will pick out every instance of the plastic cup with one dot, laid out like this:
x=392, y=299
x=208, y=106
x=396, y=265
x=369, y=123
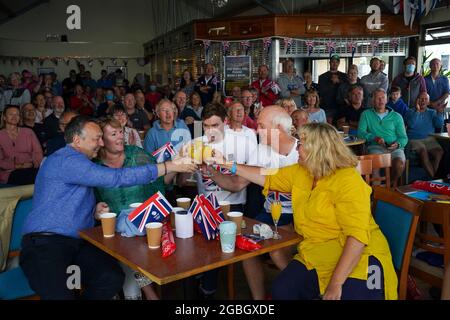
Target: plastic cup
x=225, y=206
x=236, y=217
x=108, y=224
x=184, y=203
x=154, y=232
x=135, y=205
x=346, y=129
x=227, y=236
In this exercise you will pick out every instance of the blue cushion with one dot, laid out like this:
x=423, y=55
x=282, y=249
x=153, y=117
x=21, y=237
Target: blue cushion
x=23, y=208
x=395, y=223
x=14, y=285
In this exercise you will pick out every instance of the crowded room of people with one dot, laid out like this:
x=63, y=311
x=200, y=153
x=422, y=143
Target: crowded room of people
x=224, y=150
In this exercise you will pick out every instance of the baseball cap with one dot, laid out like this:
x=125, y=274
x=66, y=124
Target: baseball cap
x=335, y=57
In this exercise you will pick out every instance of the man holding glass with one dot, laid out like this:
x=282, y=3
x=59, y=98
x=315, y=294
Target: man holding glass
x=277, y=149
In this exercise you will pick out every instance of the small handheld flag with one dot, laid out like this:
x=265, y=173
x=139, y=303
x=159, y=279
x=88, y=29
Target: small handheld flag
x=164, y=153
x=155, y=209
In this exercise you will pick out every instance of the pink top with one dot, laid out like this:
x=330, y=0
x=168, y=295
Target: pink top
x=25, y=148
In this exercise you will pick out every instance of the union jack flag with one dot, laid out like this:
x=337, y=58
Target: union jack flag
x=283, y=197
x=164, y=153
x=212, y=204
x=202, y=219
x=155, y=209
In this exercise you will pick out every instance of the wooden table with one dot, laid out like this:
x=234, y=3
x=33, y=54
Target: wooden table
x=192, y=256
x=441, y=136
x=356, y=142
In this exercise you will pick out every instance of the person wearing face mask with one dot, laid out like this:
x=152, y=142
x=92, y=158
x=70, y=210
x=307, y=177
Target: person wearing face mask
x=153, y=96
x=102, y=109
x=410, y=82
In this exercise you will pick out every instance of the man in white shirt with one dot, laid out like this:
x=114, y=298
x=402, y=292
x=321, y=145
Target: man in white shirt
x=234, y=147
x=236, y=115
x=277, y=149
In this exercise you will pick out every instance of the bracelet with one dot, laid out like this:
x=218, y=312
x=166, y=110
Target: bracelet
x=165, y=168
x=233, y=168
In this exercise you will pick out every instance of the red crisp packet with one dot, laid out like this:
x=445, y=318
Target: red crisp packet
x=246, y=244
x=168, y=245
x=432, y=187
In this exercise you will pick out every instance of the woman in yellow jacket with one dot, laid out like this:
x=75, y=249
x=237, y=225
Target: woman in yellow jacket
x=343, y=254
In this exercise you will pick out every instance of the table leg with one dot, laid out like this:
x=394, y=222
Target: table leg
x=230, y=281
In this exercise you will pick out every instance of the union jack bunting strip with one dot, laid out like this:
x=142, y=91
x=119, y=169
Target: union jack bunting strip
x=331, y=47
x=310, y=46
x=374, y=44
x=287, y=44
x=155, y=209
x=164, y=153
x=267, y=42
x=395, y=42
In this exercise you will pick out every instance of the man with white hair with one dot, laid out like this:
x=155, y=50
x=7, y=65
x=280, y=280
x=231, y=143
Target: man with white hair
x=277, y=149
x=51, y=123
x=166, y=129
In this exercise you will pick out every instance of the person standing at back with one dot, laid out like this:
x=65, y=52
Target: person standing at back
x=328, y=88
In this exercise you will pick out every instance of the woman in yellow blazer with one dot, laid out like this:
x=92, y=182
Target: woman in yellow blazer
x=343, y=254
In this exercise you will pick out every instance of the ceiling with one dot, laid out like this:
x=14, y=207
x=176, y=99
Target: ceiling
x=227, y=8
x=12, y=9
x=212, y=8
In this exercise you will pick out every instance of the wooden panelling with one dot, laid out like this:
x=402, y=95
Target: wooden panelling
x=235, y=28
x=300, y=26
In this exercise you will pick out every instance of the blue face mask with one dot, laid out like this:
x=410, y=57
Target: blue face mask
x=152, y=88
x=110, y=97
x=410, y=68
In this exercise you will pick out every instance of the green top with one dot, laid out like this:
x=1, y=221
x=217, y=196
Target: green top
x=119, y=199
x=391, y=128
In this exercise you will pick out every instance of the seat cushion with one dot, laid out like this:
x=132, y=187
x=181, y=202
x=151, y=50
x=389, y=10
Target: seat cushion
x=23, y=208
x=425, y=267
x=14, y=285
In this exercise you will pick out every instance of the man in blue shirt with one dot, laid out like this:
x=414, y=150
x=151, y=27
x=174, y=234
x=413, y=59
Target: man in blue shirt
x=437, y=85
x=167, y=128
x=421, y=122
x=64, y=204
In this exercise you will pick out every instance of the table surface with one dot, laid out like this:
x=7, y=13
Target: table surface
x=443, y=135
x=192, y=256
x=356, y=142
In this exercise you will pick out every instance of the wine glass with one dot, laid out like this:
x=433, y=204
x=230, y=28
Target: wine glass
x=276, y=214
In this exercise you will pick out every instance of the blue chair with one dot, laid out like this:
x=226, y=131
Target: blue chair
x=13, y=283
x=397, y=216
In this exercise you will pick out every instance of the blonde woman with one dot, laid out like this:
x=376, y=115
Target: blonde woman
x=331, y=204
x=316, y=114
x=288, y=104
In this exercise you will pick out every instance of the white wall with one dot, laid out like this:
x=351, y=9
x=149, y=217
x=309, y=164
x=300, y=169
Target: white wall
x=113, y=28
